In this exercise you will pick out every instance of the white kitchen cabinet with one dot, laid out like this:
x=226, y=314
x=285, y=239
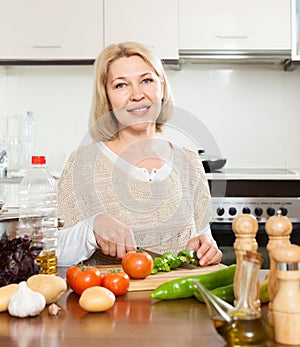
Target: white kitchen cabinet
x=50, y=29
x=295, y=30
x=154, y=23
x=234, y=25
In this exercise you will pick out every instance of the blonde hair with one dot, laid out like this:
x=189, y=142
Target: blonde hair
x=102, y=122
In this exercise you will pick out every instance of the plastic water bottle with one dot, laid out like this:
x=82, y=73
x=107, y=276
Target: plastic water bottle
x=29, y=139
x=38, y=213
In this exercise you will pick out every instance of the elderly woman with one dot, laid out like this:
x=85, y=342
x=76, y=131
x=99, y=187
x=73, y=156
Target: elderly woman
x=126, y=186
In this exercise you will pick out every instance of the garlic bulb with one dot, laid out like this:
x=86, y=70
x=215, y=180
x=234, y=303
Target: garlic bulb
x=25, y=302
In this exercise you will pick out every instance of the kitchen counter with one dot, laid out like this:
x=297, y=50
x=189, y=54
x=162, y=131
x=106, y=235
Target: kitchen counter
x=226, y=173
x=255, y=174
x=134, y=320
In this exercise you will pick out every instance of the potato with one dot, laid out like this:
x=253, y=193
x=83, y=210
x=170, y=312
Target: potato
x=5, y=293
x=51, y=286
x=97, y=299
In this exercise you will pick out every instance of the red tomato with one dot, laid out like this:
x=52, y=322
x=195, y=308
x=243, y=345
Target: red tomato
x=116, y=281
x=69, y=274
x=83, y=277
x=137, y=264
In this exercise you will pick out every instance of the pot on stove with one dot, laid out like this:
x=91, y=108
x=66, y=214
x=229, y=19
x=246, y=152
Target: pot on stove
x=211, y=162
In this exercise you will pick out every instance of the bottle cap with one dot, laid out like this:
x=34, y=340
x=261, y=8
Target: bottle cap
x=38, y=160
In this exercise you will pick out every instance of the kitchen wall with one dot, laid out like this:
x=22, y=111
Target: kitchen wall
x=252, y=112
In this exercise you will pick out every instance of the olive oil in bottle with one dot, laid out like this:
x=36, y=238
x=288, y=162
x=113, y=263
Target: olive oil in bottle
x=38, y=213
x=242, y=325
x=242, y=332
x=47, y=261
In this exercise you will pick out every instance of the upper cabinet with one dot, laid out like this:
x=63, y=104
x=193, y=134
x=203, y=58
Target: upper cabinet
x=154, y=23
x=295, y=30
x=50, y=29
x=177, y=30
x=234, y=25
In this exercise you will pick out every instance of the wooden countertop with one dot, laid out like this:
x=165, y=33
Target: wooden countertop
x=134, y=320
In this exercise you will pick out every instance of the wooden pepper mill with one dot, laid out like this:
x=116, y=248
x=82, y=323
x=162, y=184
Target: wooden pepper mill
x=245, y=227
x=278, y=228
x=286, y=303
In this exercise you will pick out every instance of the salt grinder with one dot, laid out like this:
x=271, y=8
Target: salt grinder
x=245, y=227
x=286, y=302
x=278, y=228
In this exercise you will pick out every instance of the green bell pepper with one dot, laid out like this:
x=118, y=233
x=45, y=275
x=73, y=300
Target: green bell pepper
x=167, y=262
x=160, y=265
x=189, y=256
x=173, y=260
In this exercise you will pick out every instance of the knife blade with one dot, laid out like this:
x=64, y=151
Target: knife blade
x=184, y=265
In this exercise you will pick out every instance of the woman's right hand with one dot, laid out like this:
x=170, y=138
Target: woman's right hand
x=113, y=237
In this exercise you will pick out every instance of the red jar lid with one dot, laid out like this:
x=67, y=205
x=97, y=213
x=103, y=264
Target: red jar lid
x=38, y=160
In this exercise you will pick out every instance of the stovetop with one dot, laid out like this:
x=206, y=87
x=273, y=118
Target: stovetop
x=255, y=173
x=262, y=192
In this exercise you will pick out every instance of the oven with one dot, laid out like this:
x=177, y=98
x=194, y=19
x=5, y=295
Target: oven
x=260, y=192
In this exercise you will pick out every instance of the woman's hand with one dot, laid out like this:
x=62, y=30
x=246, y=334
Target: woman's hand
x=207, y=250
x=113, y=237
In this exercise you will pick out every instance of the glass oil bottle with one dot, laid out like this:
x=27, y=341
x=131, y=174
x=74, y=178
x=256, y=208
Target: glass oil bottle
x=242, y=325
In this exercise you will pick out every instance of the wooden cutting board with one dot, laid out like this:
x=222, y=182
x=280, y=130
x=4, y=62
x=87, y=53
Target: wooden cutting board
x=153, y=281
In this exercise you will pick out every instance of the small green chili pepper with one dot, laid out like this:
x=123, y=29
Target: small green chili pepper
x=225, y=293
x=189, y=256
x=184, y=287
x=264, y=293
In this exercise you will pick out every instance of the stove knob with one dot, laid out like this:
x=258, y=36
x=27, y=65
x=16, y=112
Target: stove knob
x=258, y=211
x=270, y=211
x=284, y=211
x=246, y=210
x=220, y=211
x=232, y=211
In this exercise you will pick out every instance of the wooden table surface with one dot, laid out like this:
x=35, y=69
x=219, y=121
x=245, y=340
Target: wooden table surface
x=134, y=320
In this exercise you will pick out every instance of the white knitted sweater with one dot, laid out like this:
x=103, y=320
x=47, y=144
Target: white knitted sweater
x=163, y=215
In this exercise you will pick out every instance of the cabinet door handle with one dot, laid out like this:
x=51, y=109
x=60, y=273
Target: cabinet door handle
x=232, y=36
x=47, y=46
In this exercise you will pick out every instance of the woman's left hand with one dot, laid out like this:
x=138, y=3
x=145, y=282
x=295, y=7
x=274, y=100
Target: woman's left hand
x=207, y=249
